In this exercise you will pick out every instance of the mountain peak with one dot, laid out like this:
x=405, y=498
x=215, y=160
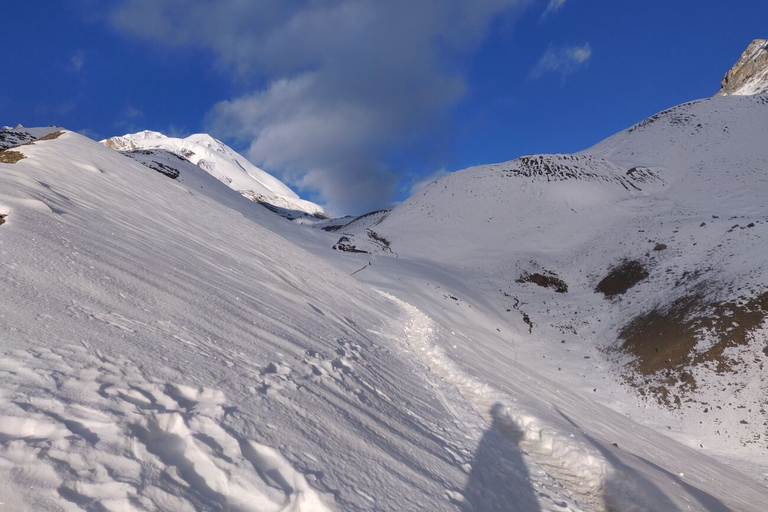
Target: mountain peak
x=131, y=141
x=750, y=73
x=223, y=163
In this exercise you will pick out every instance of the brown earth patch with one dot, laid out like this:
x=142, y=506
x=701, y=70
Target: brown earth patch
x=664, y=340
x=11, y=157
x=51, y=136
x=545, y=280
x=622, y=277
x=2, y=218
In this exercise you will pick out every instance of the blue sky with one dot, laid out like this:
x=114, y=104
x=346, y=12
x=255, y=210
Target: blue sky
x=351, y=101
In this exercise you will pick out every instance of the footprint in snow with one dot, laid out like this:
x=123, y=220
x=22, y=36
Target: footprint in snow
x=90, y=432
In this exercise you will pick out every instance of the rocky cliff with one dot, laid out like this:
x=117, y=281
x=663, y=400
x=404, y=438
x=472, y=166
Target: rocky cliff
x=750, y=73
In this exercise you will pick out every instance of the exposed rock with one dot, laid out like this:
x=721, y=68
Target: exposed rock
x=750, y=73
x=11, y=138
x=553, y=168
x=545, y=280
x=345, y=244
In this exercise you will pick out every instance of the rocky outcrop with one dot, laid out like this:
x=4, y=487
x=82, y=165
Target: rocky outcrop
x=750, y=73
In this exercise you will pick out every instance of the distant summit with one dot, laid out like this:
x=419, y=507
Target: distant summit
x=220, y=161
x=750, y=73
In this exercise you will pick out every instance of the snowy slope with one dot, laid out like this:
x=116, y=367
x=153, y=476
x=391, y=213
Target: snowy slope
x=554, y=333
x=485, y=253
x=222, y=163
x=163, y=350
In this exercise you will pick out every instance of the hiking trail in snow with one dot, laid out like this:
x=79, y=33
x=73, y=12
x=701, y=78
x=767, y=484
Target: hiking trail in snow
x=561, y=473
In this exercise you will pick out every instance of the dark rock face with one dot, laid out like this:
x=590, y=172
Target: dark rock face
x=345, y=244
x=545, y=280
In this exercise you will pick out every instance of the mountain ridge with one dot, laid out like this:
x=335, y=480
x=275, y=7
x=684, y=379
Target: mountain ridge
x=223, y=163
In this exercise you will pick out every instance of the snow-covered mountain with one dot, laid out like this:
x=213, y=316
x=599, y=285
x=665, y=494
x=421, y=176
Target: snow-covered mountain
x=750, y=73
x=218, y=159
x=555, y=333
x=164, y=351
x=636, y=264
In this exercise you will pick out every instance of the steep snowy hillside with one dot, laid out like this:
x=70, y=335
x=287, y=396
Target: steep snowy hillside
x=633, y=272
x=750, y=74
x=220, y=161
x=164, y=351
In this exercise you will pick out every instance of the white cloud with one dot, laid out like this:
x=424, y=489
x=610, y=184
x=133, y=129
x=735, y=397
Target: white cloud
x=554, y=6
x=77, y=62
x=562, y=61
x=132, y=112
x=338, y=84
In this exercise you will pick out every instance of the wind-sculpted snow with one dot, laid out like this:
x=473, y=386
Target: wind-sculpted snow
x=90, y=431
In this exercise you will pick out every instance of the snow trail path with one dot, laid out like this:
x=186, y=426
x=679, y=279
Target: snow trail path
x=559, y=486
x=565, y=458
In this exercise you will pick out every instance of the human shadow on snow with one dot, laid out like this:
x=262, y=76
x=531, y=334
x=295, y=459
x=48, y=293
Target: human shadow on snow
x=499, y=480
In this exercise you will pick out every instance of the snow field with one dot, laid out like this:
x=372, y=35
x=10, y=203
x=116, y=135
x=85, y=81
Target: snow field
x=92, y=431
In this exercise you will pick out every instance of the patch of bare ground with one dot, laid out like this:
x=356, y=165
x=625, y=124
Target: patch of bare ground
x=664, y=341
x=51, y=136
x=2, y=218
x=11, y=157
x=545, y=279
x=622, y=277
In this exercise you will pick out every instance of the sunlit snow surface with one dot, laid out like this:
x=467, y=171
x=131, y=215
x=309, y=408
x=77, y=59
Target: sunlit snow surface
x=162, y=351
x=170, y=345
